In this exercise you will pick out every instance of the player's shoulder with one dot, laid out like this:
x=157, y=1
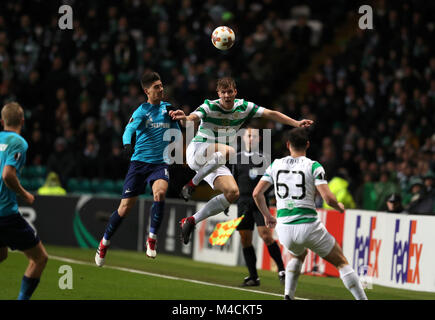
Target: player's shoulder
x=278, y=162
x=312, y=165
x=14, y=140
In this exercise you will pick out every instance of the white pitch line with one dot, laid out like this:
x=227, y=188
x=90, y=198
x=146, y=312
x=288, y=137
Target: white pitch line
x=166, y=277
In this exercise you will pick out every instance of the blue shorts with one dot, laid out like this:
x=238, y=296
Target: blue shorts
x=139, y=174
x=16, y=233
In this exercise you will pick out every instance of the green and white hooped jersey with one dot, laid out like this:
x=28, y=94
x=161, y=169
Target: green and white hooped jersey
x=217, y=122
x=295, y=181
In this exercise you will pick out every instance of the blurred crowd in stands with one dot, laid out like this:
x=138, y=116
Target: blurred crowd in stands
x=373, y=104
x=375, y=109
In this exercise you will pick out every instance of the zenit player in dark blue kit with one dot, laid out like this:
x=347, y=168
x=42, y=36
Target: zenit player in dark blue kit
x=148, y=163
x=15, y=232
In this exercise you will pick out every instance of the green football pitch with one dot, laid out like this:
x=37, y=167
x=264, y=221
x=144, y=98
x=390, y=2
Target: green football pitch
x=130, y=275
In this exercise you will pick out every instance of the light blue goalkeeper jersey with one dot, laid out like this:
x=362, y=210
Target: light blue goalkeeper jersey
x=150, y=122
x=13, y=150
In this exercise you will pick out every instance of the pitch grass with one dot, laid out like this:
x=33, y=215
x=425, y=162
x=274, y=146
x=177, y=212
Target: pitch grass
x=91, y=282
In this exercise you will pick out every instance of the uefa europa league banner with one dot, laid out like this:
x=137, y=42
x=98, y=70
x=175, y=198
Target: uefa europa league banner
x=80, y=221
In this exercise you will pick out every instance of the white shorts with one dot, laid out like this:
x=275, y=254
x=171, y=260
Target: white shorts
x=298, y=237
x=196, y=150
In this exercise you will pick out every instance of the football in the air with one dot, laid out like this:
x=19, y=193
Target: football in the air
x=223, y=37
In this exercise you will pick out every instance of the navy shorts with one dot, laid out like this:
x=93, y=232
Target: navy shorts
x=246, y=206
x=140, y=174
x=16, y=233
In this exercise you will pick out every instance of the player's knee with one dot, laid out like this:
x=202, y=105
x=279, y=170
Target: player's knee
x=42, y=259
x=245, y=239
x=232, y=194
x=159, y=195
x=267, y=238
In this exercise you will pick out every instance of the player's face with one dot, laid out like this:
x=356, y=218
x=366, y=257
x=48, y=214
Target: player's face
x=155, y=91
x=227, y=97
x=251, y=139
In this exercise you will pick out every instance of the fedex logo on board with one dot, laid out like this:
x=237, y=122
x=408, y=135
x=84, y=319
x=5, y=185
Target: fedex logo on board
x=406, y=253
x=366, y=249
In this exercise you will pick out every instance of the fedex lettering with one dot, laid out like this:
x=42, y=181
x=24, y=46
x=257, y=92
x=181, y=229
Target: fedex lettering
x=403, y=252
x=366, y=249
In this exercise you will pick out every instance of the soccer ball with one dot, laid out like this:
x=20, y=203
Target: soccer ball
x=223, y=37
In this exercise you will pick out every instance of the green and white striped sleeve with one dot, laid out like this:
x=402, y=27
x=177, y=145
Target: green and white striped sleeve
x=268, y=175
x=256, y=111
x=318, y=173
x=201, y=111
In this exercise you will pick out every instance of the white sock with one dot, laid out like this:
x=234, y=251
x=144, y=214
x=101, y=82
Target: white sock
x=106, y=242
x=352, y=283
x=152, y=235
x=292, y=272
x=215, y=161
x=211, y=208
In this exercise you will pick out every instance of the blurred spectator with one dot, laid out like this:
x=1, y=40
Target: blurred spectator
x=301, y=33
x=339, y=187
x=52, y=186
x=394, y=203
x=420, y=202
x=61, y=161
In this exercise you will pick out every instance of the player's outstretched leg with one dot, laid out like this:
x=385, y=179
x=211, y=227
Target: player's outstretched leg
x=37, y=261
x=159, y=187
x=218, y=204
x=347, y=274
x=293, y=271
x=115, y=221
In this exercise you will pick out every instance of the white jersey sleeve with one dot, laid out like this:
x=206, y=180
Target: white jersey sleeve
x=268, y=176
x=318, y=174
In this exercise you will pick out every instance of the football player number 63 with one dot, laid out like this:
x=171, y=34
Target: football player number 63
x=286, y=187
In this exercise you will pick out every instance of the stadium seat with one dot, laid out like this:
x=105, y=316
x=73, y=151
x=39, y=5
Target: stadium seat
x=25, y=183
x=35, y=183
x=34, y=172
x=107, y=186
x=73, y=185
x=119, y=184
x=40, y=171
x=95, y=185
x=85, y=186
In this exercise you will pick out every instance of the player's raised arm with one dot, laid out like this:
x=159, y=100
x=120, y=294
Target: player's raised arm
x=282, y=118
x=260, y=201
x=181, y=116
x=329, y=197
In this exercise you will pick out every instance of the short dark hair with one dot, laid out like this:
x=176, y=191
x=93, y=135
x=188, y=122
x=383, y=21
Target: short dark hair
x=298, y=138
x=148, y=78
x=225, y=83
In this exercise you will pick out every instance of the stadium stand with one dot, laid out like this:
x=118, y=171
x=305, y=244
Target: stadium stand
x=372, y=95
